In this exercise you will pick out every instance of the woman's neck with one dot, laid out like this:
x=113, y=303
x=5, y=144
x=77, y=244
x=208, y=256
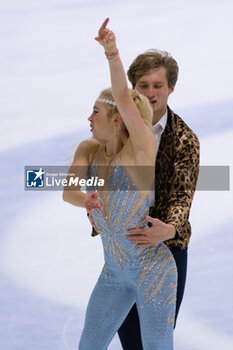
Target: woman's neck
x=113, y=146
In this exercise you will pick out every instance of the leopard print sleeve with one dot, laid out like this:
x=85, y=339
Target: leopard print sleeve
x=186, y=169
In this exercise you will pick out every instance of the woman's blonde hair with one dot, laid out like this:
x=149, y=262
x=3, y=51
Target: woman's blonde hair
x=142, y=104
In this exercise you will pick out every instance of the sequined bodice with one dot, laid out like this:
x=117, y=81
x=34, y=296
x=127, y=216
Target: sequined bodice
x=123, y=208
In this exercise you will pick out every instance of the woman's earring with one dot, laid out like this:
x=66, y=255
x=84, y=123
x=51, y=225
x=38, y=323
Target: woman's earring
x=115, y=131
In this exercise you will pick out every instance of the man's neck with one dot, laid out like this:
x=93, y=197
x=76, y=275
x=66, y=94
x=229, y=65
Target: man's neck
x=158, y=115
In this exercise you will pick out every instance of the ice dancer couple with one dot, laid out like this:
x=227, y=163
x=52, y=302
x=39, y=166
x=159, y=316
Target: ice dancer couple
x=145, y=233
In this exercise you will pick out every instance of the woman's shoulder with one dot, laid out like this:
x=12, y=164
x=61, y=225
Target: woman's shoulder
x=89, y=145
x=87, y=148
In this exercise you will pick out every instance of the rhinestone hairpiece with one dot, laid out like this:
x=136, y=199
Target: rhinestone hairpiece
x=105, y=100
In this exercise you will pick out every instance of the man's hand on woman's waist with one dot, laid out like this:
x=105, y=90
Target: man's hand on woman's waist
x=157, y=233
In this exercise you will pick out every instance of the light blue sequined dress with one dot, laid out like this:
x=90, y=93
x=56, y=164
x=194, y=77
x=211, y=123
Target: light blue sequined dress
x=146, y=276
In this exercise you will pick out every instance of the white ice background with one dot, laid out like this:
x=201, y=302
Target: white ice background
x=51, y=71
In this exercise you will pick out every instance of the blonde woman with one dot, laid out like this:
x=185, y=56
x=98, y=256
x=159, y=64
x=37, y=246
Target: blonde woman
x=123, y=144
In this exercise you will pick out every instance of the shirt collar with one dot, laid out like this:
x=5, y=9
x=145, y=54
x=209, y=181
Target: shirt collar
x=161, y=124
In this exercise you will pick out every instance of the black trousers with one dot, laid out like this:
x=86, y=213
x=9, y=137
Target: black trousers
x=129, y=332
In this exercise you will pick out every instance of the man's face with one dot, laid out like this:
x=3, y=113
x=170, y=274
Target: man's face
x=154, y=86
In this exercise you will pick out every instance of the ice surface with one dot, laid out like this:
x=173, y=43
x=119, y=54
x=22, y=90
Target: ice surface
x=51, y=72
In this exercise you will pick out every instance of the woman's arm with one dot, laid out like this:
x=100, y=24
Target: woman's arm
x=76, y=197
x=138, y=131
x=79, y=169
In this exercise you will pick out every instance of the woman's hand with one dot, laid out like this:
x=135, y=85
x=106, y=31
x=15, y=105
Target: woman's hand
x=92, y=202
x=106, y=37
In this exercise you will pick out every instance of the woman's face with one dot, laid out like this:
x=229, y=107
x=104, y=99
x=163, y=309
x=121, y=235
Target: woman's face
x=101, y=126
